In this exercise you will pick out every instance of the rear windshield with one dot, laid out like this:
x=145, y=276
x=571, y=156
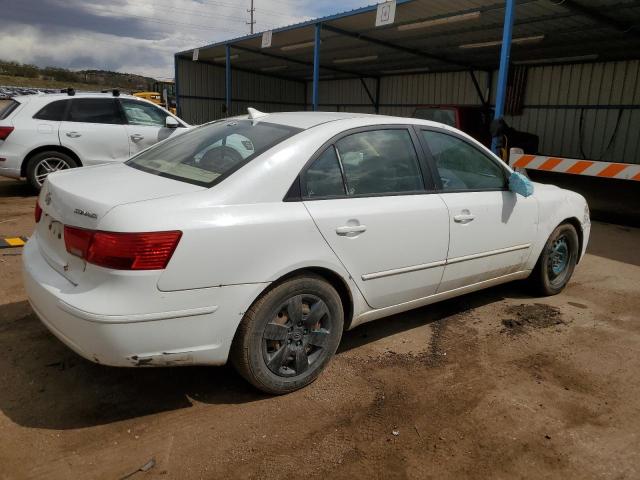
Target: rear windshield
x=6, y=107
x=206, y=155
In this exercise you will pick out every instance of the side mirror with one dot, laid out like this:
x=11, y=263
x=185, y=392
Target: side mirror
x=520, y=184
x=171, y=122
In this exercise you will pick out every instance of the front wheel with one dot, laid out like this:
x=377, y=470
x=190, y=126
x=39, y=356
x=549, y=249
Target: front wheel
x=557, y=261
x=44, y=163
x=289, y=335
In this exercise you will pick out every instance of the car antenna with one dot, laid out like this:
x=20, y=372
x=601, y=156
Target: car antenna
x=116, y=92
x=69, y=91
x=255, y=114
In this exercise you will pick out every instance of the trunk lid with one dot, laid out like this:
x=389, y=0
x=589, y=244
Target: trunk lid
x=82, y=197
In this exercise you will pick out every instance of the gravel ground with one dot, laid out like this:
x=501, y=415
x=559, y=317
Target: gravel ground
x=496, y=384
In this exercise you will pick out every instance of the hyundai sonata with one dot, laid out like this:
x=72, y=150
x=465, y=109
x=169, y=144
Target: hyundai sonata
x=260, y=239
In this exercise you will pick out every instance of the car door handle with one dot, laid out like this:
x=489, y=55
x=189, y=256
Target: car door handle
x=351, y=229
x=463, y=218
x=73, y=134
x=136, y=137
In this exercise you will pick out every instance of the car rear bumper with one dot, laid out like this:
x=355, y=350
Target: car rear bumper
x=200, y=334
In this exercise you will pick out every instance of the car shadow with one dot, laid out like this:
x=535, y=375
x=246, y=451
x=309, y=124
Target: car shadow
x=46, y=385
x=16, y=188
x=373, y=331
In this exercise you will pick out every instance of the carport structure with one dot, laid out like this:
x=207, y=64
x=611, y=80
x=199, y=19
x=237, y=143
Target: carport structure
x=574, y=68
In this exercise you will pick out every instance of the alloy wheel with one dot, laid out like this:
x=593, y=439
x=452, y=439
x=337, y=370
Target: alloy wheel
x=47, y=166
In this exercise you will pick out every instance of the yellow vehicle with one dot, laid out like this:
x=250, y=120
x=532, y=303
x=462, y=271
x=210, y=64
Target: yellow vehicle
x=156, y=98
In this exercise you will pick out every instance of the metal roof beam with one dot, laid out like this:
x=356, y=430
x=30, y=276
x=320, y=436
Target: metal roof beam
x=394, y=46
x=248, y=70
x=299, y=62
x=597, y=16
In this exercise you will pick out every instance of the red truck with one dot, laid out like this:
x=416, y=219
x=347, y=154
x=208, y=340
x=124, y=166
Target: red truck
x=475, y=120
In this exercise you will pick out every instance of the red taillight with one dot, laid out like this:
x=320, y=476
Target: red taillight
x=77, y=241
x=4, y=132
x=122, y=251
x=38, y=211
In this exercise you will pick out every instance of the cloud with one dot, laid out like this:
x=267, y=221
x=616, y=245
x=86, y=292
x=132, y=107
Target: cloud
x=136, y=36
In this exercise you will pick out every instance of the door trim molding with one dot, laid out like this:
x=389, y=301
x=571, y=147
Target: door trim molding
x=397, y=271
x=425, y=266
x=488, y=253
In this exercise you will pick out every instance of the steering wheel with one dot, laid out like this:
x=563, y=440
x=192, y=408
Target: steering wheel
x=220, y=159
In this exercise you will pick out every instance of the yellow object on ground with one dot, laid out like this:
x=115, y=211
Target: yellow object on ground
x=10, y=242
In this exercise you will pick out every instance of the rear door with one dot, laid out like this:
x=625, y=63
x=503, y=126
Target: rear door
x=370, y=200
x=491, y=228
x=94, y=129
x=145, y=124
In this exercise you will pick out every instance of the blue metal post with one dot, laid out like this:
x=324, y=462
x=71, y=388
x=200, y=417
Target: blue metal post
x=316, y=67
x=228, y=78
x=503, y=73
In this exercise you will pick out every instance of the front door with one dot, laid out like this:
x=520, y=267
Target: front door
x=367, y=197
x=145, y=125
x=492, y=229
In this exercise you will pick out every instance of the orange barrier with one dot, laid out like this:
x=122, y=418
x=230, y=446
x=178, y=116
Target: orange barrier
x=623, y=171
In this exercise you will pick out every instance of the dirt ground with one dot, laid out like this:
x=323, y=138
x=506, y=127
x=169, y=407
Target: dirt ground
x=496, y=384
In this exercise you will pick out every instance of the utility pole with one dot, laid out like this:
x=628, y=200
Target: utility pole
x=252, y=22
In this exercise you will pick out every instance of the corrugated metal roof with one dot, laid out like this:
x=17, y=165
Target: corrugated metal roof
x=544, y=30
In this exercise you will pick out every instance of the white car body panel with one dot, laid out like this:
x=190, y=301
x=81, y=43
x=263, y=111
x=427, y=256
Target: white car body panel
x=388, y=260
x=240, y=237
x=97, y=143
x=494, y=241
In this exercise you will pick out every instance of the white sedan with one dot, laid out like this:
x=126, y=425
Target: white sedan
x=260, y=239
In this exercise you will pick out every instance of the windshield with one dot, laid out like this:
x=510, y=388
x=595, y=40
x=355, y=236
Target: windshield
x=206, y=155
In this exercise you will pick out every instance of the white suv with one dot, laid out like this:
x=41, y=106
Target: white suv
x=40, y=134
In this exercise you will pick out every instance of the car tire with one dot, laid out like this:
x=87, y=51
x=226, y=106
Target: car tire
x=288, y=336
x=43, y=163
x=557, y=261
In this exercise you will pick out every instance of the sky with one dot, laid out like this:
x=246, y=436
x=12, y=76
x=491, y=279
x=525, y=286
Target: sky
x=137, y=36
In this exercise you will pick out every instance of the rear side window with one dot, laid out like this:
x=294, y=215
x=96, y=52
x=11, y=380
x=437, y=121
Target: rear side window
x=95, y=110
x=324, y=177
x=6, y=107
x=461, y=166
x=380, y=162
x=206, y=155
x=54, y=111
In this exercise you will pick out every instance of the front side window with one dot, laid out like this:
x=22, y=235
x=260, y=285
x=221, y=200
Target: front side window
x=379, y=162
x=94, y=110
x=205, y=155
x=324, y=178
x=54, y=111
x=461, y=166
x=138, y=113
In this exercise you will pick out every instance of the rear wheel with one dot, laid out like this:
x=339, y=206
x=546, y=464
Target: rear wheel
x=289, y=335
x=557, y=261
x=44, y=163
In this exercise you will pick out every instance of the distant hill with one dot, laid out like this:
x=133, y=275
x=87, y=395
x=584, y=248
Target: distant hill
x=21, y=74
